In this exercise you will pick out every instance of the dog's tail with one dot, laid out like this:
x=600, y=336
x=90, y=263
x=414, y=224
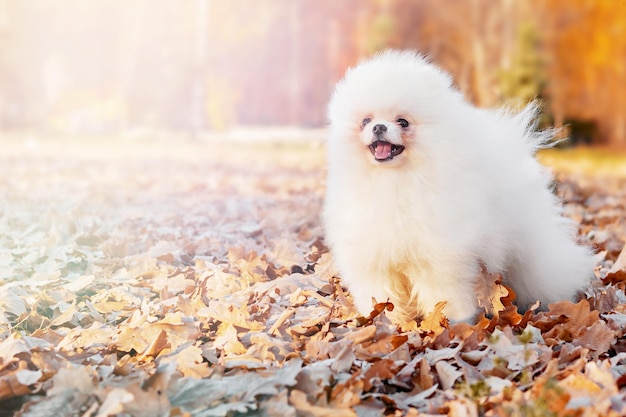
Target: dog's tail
x=528, y=120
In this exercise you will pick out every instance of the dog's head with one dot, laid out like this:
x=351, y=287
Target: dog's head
x=385, y=137
x=380, y=105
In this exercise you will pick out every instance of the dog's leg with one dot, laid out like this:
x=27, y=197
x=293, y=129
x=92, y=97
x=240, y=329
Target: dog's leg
x=452, y=282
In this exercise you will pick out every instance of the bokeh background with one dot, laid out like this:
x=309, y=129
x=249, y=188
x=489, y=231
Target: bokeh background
x=137, y=67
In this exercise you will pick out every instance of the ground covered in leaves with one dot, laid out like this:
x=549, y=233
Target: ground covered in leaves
x=181, y=278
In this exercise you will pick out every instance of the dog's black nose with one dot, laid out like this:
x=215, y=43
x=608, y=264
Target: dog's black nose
x=379, y=129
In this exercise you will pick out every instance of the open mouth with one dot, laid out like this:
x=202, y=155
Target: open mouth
x=385, y=151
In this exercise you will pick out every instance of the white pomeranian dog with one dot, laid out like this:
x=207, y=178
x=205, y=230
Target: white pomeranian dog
x=424, y=190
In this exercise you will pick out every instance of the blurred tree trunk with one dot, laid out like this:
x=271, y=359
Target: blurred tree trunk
x=4, y=35
x=200, y=77
x=132, y=30
x=294, y=62
x=479, y=71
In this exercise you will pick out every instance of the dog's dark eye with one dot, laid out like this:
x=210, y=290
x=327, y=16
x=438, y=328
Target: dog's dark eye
x=403, y=123
x=365, y=121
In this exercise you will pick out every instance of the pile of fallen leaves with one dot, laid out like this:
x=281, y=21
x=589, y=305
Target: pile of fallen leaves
x=191, y=279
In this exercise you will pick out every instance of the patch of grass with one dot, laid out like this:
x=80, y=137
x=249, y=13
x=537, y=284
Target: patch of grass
x=590, y=162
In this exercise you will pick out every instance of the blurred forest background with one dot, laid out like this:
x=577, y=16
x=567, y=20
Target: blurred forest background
x=108, y=66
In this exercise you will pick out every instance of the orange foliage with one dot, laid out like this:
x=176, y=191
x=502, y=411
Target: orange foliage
x=586, y=41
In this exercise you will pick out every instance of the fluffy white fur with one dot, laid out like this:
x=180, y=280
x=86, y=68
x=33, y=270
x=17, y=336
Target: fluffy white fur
x=465, y=191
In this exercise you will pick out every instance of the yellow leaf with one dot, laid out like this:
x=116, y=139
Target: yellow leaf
x=435, y=322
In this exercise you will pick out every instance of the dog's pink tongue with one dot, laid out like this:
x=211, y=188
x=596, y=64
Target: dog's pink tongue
x=383, y=150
